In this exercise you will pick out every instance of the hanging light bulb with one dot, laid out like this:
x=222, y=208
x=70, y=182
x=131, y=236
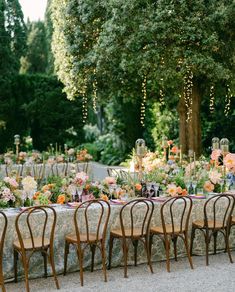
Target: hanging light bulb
x=212, y=98
x=95, y=92
x=188, y=90
x=143, y=103
x=228, y=97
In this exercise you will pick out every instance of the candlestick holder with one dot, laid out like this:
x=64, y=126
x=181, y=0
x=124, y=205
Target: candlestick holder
x=17, y=143
x=140, y=150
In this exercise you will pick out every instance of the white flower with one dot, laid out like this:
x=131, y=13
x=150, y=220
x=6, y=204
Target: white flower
x=29, y=184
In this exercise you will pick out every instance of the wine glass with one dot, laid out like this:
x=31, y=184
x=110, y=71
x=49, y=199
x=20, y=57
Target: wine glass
x=187, y=184
x=79, y=191
x=221, y=183
x=194, y=185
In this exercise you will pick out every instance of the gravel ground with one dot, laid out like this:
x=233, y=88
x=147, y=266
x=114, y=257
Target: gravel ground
x=219, y=276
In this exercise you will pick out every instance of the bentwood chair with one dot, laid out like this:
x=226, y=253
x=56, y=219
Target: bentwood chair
x=217, y=218
x=26, y=247
x=175, y=215
x=89, y=233
x=2, y=238
x=135, y=217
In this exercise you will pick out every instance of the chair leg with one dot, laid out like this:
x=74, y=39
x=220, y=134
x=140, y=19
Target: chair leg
x=207, y=241
x=174, y=239
x=51, y=258
x=103, y=255
x=125, y=255
x=15, y=264
x=66, y=252
x=167, y=246
x=150, y=244
x=110, y=251
x=93, y=248
x=147, y=245
x=227, y=246
x=2, y=280
x=44, y=254
x=26, y=272
x=80, y=258
x=192, y=239
x=215, y=241
x=187, y=250
x=135, y=244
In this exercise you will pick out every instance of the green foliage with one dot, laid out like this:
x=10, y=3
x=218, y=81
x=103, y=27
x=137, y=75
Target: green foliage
x=35, y=105
x=35, y=59
x=12, y=36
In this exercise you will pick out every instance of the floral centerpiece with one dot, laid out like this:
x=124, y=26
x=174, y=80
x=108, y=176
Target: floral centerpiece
x=8, y=190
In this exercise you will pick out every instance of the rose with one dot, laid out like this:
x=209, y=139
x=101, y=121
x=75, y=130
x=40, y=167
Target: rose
x=215, y=154
x=208, y=186
x=214, y=176
x=172, y=190
x=109, y=180
x=80, y=178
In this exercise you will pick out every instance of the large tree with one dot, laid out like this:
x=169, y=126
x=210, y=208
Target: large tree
x=12, y=36
x=177, y=46
x=36, y=57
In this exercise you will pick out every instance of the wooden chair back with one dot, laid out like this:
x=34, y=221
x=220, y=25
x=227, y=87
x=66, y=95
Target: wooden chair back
x=219, y=208
x=137, y=208
x=176, y=212
x=84, y=226
x=45, y=228
x=2, y=239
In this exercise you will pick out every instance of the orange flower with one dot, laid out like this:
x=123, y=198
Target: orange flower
x=170, y=142
x=184, y=192
x=138, y=187
x=179, y=190
x=208, y=186
x=61, y=199
x=36, y=195
x=174, y=149
x=104, y=197
x=87, y=187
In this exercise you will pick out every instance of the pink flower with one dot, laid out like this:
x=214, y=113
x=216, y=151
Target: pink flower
x=215, y=154
x=7, y=195
x=80, y=178
x=229, y=161
x=11, y=181
x=109, y=180
x=214, y=176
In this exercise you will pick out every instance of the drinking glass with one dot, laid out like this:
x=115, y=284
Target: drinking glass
x=79, y=193
x=194, y=185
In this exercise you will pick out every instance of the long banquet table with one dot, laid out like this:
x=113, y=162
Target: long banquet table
x=65, y=226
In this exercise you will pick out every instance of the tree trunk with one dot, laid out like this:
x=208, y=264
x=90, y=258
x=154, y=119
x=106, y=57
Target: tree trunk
x=190, y=132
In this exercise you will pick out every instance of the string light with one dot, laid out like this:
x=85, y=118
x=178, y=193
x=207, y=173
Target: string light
x=143, y=103
x=84, y=102
x=95, y=92
x=228, y=97
x=162, y=101
x=212, y=98
x=188, y=90
x=161, y=93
